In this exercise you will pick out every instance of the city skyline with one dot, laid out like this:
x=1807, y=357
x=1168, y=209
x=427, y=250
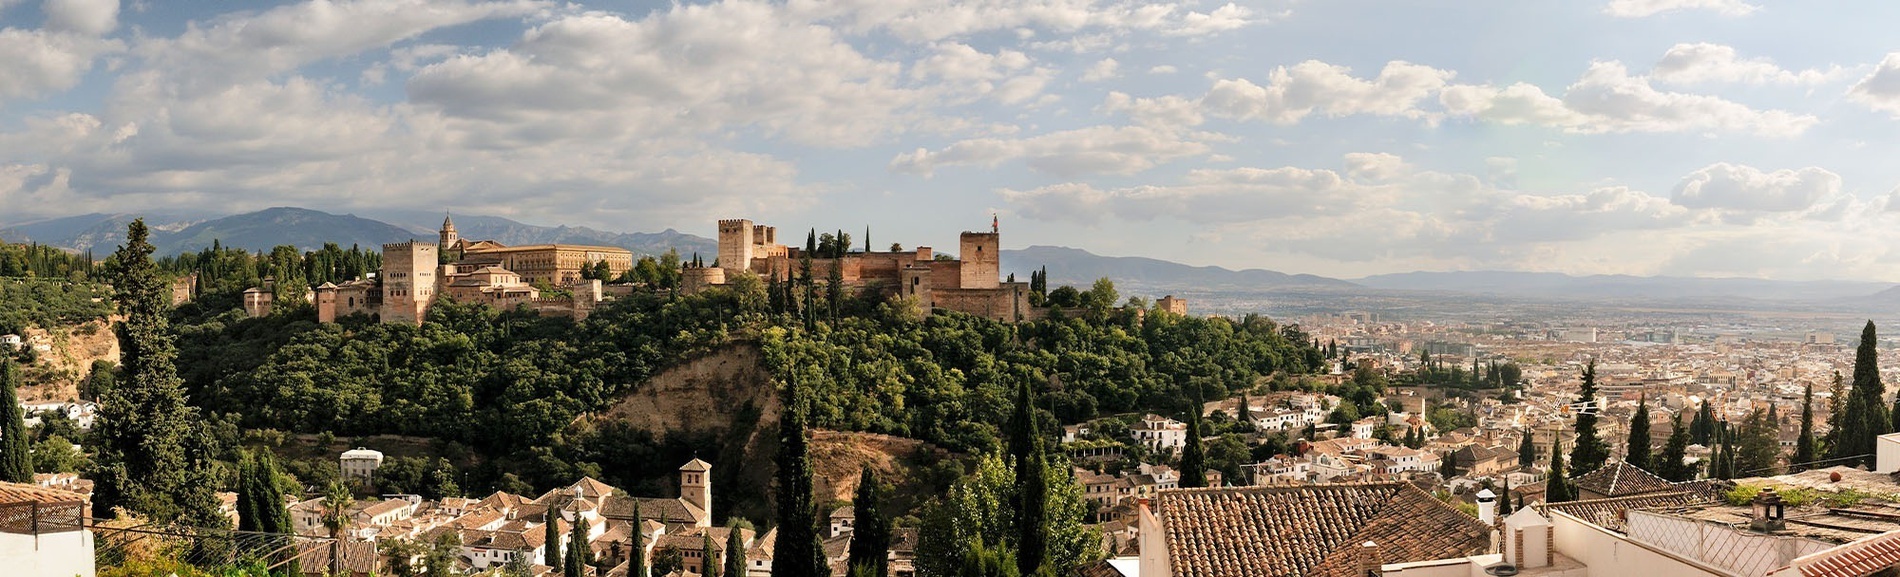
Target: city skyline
x=1666, y=137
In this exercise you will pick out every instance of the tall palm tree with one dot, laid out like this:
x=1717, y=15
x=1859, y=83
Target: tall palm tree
x=337, y=502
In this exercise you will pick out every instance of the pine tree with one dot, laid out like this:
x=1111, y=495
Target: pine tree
x=16, y=461
x=1637, y=452
x=1866, y=413
x=144, y=421
x=552, y=556
x=1804, y=449
x=1590, y=452
x=797, y=552
x=1527, y=450
x=871, y=532
x=1756, y=446
x=1557, y=489
x=1032, y=488
x=1670, y=464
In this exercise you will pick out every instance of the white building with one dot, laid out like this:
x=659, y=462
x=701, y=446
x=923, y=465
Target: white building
x=360, y=463
x=1160, y=433
x=53, y=542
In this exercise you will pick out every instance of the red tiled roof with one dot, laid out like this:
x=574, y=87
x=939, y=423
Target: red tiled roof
x=1855, y=560
x=1308, y=530
x=1621, y=479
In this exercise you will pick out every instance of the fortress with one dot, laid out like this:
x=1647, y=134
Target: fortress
x=414, y=274
x=970, y=284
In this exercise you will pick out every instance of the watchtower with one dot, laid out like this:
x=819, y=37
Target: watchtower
x=981, y=268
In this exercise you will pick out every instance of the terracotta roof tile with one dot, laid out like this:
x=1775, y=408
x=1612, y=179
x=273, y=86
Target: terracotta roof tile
x=1621, y=479
x=1308, y=530
x=1611, y=513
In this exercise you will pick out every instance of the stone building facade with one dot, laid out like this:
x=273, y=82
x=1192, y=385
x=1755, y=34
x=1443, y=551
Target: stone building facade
x=415, y=274
x=971, y=284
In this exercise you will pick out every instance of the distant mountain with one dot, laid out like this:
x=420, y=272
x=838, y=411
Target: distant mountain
x=512, y=233
x=1556, y=285
x=1080, y=267
x=300, y=227
x=98, y=232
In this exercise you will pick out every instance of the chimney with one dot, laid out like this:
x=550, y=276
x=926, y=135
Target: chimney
x=1487, y=507
x=1370, y=562
x=1768, y=512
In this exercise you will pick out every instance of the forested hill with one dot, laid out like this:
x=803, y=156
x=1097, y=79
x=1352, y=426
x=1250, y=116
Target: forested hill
x=510, y=384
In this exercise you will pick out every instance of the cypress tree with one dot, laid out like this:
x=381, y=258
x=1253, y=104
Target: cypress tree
x=552, y=556
x=797, y=552
x=1557, y=489
x=871, y=535
x=1032, y=490
x=1866, y=411
x=1526, y=449
x=1702, y=429
x=1590, y=452
x=1670, y=464
x=578, y=553
x=1504, y=499
x=706, y=566
x=1836, y=407
x=735, y=550
x=1193, y=457
x=1637, y=452
x=16, y=462
x=1804, y=449
x=637, y=557
x=144, y=422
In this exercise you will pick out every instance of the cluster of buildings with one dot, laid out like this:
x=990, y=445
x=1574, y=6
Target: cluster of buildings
x=971, y=283
x=415, y=274
x=503, y=527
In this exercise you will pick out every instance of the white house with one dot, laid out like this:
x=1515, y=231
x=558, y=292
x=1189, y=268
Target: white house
x=55, y=543
x=1160, y=433
x=360, y=463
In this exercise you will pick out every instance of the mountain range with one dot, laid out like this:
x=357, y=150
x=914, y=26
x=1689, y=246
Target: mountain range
x=175, y=233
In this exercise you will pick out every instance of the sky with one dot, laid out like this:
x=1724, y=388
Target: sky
x=1344, y=138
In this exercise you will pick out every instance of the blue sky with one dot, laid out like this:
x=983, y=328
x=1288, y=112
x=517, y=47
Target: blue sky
x=1343, y=138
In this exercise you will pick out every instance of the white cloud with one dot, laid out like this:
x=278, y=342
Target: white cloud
x=1743, y=188
x=89, y=17
x=1104, y=69
x=37, y=62
x=1164, y=111
x=1645, y=8
x=1163, y=69
x=1709, y=63
x=1609, y=100
x=241, y=46
x=1093, y=150
x=1880, y=90
x=1293, y=93
x=932, y=20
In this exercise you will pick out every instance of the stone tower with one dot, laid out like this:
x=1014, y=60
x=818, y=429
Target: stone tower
x=981, y=268
x=326, y=303
x=408, y=281
x=696, y=488
x=735, y=244
x=449, y=236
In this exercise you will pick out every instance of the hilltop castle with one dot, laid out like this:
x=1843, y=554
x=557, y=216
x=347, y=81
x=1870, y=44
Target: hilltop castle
x=970, y=284
x=415, y=273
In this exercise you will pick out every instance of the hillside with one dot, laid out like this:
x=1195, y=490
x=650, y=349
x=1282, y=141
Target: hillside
x=97, y=231
x=726, y=399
